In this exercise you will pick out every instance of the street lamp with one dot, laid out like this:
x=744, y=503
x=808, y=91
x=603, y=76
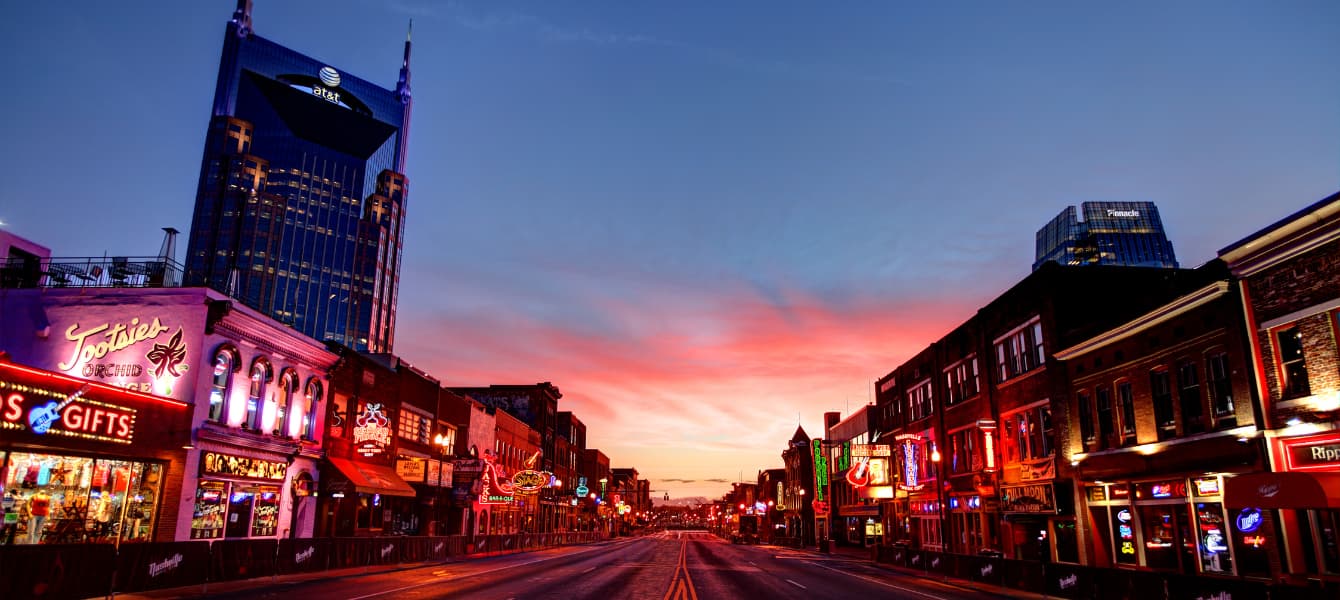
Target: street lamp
x=443, y=443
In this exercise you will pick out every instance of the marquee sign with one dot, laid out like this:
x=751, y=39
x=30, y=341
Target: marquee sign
x=47, y=412
x=228, y=465
x=820, y=471
x=372, y=430
x=529, y=481
x=910, y=446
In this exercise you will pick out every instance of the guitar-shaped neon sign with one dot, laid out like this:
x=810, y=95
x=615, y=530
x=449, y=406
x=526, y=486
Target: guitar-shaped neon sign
x=859, y=475
x=41, y=418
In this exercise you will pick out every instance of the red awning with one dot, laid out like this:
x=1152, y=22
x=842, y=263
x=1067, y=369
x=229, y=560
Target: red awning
x=372, y=479
x=1283, y=490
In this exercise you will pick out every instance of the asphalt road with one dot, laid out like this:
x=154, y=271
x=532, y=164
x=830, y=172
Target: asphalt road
x=666, y=566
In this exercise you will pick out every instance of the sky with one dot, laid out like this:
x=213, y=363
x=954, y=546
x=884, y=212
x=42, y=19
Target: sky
x=707, y=223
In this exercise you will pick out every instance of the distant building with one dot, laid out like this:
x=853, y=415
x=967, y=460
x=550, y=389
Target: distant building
x=1111, y=233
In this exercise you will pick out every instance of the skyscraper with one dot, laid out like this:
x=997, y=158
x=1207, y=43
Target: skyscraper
x=300, y=208
x=1111, y=233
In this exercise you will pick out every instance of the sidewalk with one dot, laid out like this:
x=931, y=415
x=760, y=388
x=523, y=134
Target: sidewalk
x=865, y=554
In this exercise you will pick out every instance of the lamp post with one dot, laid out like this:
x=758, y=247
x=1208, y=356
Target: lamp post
x=443, y=444
x=939, y=494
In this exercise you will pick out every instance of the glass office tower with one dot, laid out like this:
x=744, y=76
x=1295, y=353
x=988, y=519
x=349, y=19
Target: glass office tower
x=300, y=207
x=1111, y=233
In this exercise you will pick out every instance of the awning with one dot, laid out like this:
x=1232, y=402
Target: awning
x=372, y=479
x=1283, y=490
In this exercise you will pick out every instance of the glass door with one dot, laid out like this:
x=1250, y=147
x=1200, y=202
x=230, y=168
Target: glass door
x=239, y=512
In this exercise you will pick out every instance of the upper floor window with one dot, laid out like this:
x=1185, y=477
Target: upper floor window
x=919, y=401
x=1085, y=421
x=1221, y=391
x=1106, y=418
x=1188, y=396
x=261, y=374
x=414, y=425
x=1020, y=351
x=964, y=456
x=1127, y=401
x=1160, y=389
x=961, y=381
x=1294, y=367
x=225, y=364
x=1029, y=434
x=312, y=399
x=288, y=386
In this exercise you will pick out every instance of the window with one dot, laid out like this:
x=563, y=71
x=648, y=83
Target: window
x=1290, y=344
x=1020, y=351
x=1106, y=424
x=961, y=381
x=919, y=401
x=1161, y=390
x=1221, y=392
x=260, y=378
x=414, y=425
x=1029, y=434
x=963, y=455
x=288, y=385
x=225, y=362
x=1086, y=421
x=1127, y=402
x=1188, y=396
x=312, y=398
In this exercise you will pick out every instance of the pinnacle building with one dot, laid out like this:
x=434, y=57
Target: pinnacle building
x=300, y=207
x=1111, y=233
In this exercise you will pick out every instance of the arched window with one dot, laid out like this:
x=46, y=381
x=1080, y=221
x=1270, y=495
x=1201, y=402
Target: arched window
x=312, y=399
x=225, y=364
x=288, y=385
x=261, y=375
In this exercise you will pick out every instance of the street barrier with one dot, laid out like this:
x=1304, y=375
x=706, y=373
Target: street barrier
x=158, y=566
x=1061, y=580
x=56, y=571
x=94, y=570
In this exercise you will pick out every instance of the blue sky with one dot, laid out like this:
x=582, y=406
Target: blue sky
x=705, y=223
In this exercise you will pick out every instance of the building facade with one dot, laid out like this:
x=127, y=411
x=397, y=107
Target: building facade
x=256, y=390
x=300, y=206
x=1110, y=233
x=1289, y=280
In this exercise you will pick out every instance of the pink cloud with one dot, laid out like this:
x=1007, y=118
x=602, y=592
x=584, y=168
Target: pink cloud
x=687, y=385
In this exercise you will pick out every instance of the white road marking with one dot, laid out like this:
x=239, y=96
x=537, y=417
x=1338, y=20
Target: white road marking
x=876, y=581
x=503, y=568
x=797, y=584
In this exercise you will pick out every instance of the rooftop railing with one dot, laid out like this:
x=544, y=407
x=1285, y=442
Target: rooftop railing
x=116, y=271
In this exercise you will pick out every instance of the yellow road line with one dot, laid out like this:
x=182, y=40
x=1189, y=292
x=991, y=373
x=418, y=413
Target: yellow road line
x=681, y=585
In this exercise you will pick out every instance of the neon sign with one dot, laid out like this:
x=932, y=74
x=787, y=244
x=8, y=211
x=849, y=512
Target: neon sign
x=820, y=471
x=494, y=489
x=71, y=416
x=218, y=463
x=372, y=433
x=1249, y=520
x=1255, y=541
x=911, y=464
x=1207, y=487
x=529, y=481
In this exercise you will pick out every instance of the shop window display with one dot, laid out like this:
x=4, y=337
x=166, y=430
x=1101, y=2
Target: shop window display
x=68, y=499
x=1215, y=556
x=207, y=519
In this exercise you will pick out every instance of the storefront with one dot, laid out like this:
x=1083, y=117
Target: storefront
x=85, y=462
x=1040, y=521
x=1303, y=506
x=1171, y=524
x=432, y=481
x=366, y=498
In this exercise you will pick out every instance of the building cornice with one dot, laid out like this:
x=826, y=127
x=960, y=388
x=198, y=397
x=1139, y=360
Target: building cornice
x=1148, y=320
x=263, y=334
x=1298, y=234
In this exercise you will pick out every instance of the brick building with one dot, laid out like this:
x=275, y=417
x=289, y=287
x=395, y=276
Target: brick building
x=1160, y=414
x=1289, y=279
